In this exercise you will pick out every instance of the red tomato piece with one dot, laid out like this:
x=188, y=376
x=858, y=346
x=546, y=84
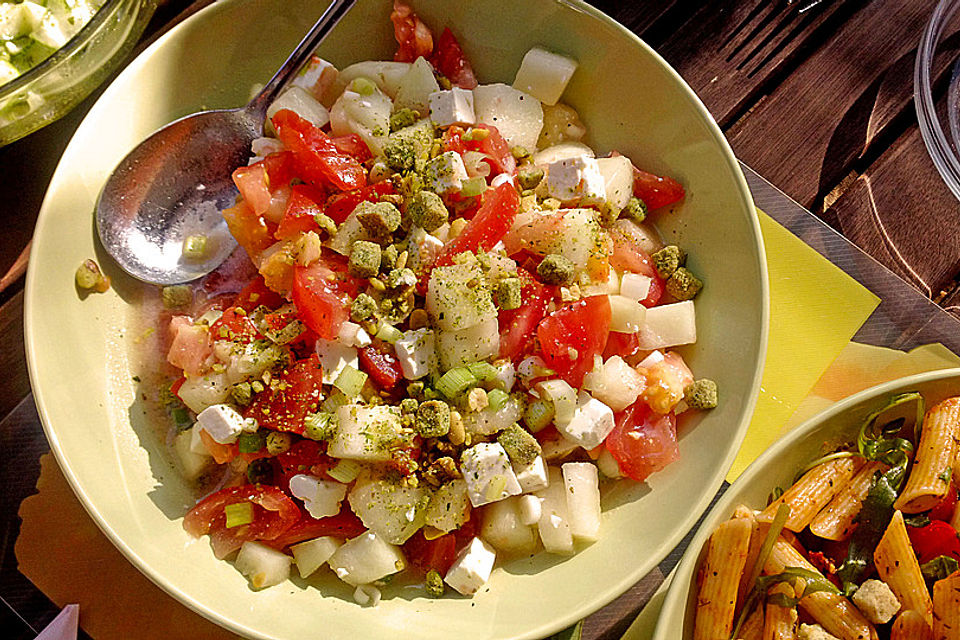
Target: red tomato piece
x=571, y=336
x=234, y=325
x=437, y=554
x=449, y=60
x=340, y=205
x=382, y=366
x=222, y=453
x=628, y=256
x=190, y=345
x=936, y=539
x=343, y=525
x=274, y=514
x=254, y=186
x=352, y=145
x=322, y=293
x=255, y=294
x=284, y=406
x=413, y=36
x=945, y=508
x=643, y=441
x=656, y=191
x=300, y=215
x=248, y=228
x=279, y=167
x=453, y=140
x=496, y=149
x=518, y=326
x=621, y=344
x=316, y=158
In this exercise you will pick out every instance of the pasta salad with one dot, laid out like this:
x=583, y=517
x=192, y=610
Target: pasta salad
x=865, y=544
x=449, y=323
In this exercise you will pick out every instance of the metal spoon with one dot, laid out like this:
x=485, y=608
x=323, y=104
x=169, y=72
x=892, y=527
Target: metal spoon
x=173, y=185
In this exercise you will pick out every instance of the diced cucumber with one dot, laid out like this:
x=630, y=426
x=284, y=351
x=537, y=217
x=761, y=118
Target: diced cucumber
x=366, y=558
x=265, y=567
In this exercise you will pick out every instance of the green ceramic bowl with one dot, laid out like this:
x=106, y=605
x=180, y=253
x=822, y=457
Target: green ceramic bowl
x=79, y=350
x=777, y=467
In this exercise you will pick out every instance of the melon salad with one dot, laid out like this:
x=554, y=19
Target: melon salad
x=455, y=325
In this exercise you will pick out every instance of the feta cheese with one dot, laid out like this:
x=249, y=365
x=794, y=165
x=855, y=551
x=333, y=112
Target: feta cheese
x=533, y=476
x=544, y=75
x=506, y=375
x=321, y=498
x=472, y=568
x=635, y=286
x=316, y=77
x=416, y=352
x=576, y=178
x=530, y=509
x=592, y=422
x=452, y=107
x=222, y=422
x=334, y=357
x=877, y=601
x=446, y=173
x=365, y=432
x=488, y=474
x=353, y=335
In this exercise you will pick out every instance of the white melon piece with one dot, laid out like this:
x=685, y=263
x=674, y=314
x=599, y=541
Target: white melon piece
x=301, y=103
x=366, y=558
x=262, y=565
x=668, y=325
x=321, y=498
x=530, y=509
x=366, y=432
x=459, y=348
x=562, y=151
x=635, y=286
x=316, y=77
x=458, y=297
x=472, y=568
x=532, y=476
x=334, y=358
x=608, y=465
x=313, y=554
x=386, y=74
x=416, y=352
x=503, y=528
x=518, y=116
x=453, y=106
x=644, y=235
x=592, y=422
x=544, y=74
x=192, y=462
x=365, y=115
x=582, y=485
x=615, y=383
x=391, y=510
x=200, y=392
x=449, y=506
x=617, y=172
x=487, y=471
x=626, y=315
x=415, y=87
x=489, y=421
x=554, y=524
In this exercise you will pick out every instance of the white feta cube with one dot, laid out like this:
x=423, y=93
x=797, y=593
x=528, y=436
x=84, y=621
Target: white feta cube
x=488, y=474
x=452, y=107
x=321, y=498
x=582, y=487
x=530, y=509
x=365, y=432
x=576, y=178
x=506, y=375
x=222, y=422
x=316, y=77
x=446, y=173
x=353, y=335
x=592, y=422
x=635, y=286
x=877, y=601
x=533, y=476
x=416, y=352
x=472, y=568
x=335, y=357
x=424, y=248
x=544, y=75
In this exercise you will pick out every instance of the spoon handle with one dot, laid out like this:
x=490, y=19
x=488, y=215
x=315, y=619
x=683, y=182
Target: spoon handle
x=337, y=9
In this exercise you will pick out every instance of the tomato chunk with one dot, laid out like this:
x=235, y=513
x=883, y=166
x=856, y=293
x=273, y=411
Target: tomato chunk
x=296, y=393
x=518, y=326
x=656, y=191
x=249, y=229
x=572, y=335
x=300, y=214
x=449, y=60
x=234, y=325
x=382, y=366
x=936, y=539
x=343, y=525
x=437, y=554
x=628, y=256
x=340, y=205
x=316, y=158
x=492, y=221
x=621, y=344
x=413, y=36
x=643, y=442
x=322, y=293
x=255, y=294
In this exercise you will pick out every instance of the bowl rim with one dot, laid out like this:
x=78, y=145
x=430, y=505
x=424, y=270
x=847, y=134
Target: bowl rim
x=564, y=619
x=675, y=603
x=79, y=39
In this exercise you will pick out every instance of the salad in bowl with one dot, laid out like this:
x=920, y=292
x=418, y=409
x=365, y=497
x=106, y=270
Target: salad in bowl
x=449, y=323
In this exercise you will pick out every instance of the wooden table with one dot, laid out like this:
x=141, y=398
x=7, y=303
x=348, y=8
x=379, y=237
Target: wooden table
x=817, y=101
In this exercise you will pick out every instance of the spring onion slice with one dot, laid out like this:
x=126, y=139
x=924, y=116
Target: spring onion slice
x=563, y=397
x=456, y=381
x=483, y=371
x=350, y=381
x=346, y=471
x=497, y=399
x=238, y=514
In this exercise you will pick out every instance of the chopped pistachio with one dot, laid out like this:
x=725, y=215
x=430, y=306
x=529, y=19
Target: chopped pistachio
x=507, y=293
x=668, y=259
x=415, y=389
x=89, y=277
x=477, y=399
x=176, y=296
x=403, y=118
x=388, y=259
x=195, y=247
x=378, y=218
x=458, y=433
x=556, y=269
x=409, y=405
x=683, y=285
x=362, y=308
x=551, y=203
x=400, y=154
x=635, y=210
x=364, y=259
x=701, y=394
x=363, y=86
x=325, y=223
x=520, y=152
x=520, y=445
x=456, y=228
x=608, y=214
x=529, y=177
x=426, y=210
x=433, y=419
x=433, y=583
x=474, y=134
x=242, y=393
x=278, y=442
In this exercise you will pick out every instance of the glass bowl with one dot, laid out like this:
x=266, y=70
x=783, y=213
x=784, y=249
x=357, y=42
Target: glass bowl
x=939, y=118
x=49, y=90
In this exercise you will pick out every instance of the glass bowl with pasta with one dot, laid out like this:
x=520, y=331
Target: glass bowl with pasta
x=846, y=528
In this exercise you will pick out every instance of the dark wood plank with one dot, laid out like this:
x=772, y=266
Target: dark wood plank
x=14, y=383
x=829, y=111
x=637, y=16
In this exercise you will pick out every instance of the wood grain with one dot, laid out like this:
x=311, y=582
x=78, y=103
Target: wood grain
x=14, y=383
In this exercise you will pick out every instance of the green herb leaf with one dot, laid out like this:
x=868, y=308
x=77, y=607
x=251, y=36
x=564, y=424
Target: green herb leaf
x=939, y=568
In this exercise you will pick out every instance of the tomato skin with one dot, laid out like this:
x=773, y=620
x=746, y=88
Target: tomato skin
x=274, y=514
x=324, y=303
x=437, y=554
x=656, y=191
x=414, y=38
x=630, y=257
x=518, y=326
x=255, y=294
x=936, y=539
x=352, y=145
x=449, y=60
x=249, y=229
x=582, y=326
x=234, y=325
x=316, y=158
x=652, y=449
x=382, y=366
x=299, y=216
x=624, y=345
x=343, y=525
x=222, y=453
x=945, y=508
x=284, y=407
x=340, y=205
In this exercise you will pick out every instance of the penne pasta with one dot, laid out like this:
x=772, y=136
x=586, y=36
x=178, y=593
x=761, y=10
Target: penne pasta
x=752, y=628
x=813, y=492
x=833, y=612
x=897, y=566
x=758, y=533
x=780, y=623
x=910, y=625
x=946, y=608
x=717, y=598
x=934, y=461
x=836, y=520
